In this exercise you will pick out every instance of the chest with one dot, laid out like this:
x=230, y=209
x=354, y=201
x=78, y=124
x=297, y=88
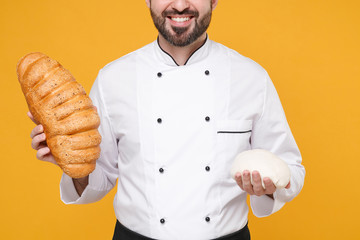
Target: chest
x=192, y=112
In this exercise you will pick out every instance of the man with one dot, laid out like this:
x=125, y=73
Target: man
x=174, y=114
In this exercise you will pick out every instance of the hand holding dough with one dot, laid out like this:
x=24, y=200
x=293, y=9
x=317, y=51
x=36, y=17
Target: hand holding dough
x=266, y=163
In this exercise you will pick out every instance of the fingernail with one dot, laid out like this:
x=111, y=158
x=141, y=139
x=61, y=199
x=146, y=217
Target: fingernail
x=41, y=128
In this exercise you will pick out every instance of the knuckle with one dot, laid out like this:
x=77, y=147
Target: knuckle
x=35, y=142
x=248, y=189
x=250, y=192
x=39, y=155
x=39, y=128
x=32, y=133
x=269, y=186
x=246, y=180
x=268, y=192
x=258, y=191
x=258, y=187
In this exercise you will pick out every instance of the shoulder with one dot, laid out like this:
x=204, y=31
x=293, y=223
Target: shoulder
x=237, y=61
x=127, y=63
x=120, y=74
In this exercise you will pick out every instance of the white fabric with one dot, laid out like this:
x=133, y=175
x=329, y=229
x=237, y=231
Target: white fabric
x=237, y=95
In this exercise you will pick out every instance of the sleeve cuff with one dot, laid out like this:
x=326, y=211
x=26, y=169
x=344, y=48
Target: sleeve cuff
x=91, y=193
x=68, y=192
x=264, y=206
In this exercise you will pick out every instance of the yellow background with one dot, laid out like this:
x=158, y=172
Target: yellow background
x=309, y=47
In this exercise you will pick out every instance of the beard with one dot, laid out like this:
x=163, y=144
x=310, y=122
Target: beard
x=182, y=36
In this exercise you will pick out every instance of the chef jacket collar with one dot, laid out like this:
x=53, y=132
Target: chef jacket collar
x=198, y=55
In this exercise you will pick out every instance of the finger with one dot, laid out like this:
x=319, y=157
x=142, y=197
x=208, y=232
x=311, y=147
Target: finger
x=238, y=179
x=42, y=152
x=257, y=184
x=37, y=130
x=247, y=182
x=270, y=188
x=38, y=141
x=32, y=117
x=49, y=158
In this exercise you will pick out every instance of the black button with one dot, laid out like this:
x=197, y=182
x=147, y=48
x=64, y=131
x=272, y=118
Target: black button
x=159, y=120
x=207, y=219
x=207, y=168
x=159, y=74
x=162, y=221
x=161, y=170
x=207, y=119
x=207, y=72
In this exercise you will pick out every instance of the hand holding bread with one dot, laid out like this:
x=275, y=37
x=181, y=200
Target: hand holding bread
x=39, y=142
x=61, y=106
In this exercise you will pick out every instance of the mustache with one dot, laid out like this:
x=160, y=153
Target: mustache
x=185, y=12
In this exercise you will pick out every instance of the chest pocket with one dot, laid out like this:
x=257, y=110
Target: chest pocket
x=232, y=137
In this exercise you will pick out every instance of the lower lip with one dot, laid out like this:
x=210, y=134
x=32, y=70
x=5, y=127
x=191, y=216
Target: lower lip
x=180, y=24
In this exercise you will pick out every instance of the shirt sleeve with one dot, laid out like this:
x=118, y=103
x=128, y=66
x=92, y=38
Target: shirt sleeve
x=272, y=132
x=103, y=178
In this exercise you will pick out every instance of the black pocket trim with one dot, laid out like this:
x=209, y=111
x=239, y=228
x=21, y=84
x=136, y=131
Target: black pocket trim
x=234, y=131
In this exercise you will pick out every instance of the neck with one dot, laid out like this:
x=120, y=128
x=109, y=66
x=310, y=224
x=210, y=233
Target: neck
x=181, y=54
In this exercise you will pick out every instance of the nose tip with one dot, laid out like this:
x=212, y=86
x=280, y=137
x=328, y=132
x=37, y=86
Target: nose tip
x=180, y=5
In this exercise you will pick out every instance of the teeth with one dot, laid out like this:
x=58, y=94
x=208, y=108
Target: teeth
x=180, y=19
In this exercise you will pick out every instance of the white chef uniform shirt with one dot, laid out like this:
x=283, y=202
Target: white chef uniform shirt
x=170, y=134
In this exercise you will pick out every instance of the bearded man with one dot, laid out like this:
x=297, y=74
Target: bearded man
x=174, y=114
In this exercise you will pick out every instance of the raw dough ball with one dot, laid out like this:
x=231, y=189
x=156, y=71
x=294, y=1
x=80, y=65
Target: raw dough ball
x=266, y=163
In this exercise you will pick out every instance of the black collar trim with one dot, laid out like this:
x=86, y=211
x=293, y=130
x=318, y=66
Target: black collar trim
x=190, y=54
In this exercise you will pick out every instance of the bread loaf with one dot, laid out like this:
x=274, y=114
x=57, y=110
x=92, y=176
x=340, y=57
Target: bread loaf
x=61, y=105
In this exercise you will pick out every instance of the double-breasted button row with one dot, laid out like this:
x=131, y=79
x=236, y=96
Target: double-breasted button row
x=207, y=73
x=162, y=221
x=207, y=119
x=162, y=170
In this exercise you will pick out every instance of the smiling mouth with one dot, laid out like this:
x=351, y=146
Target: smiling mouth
x=180, y=19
